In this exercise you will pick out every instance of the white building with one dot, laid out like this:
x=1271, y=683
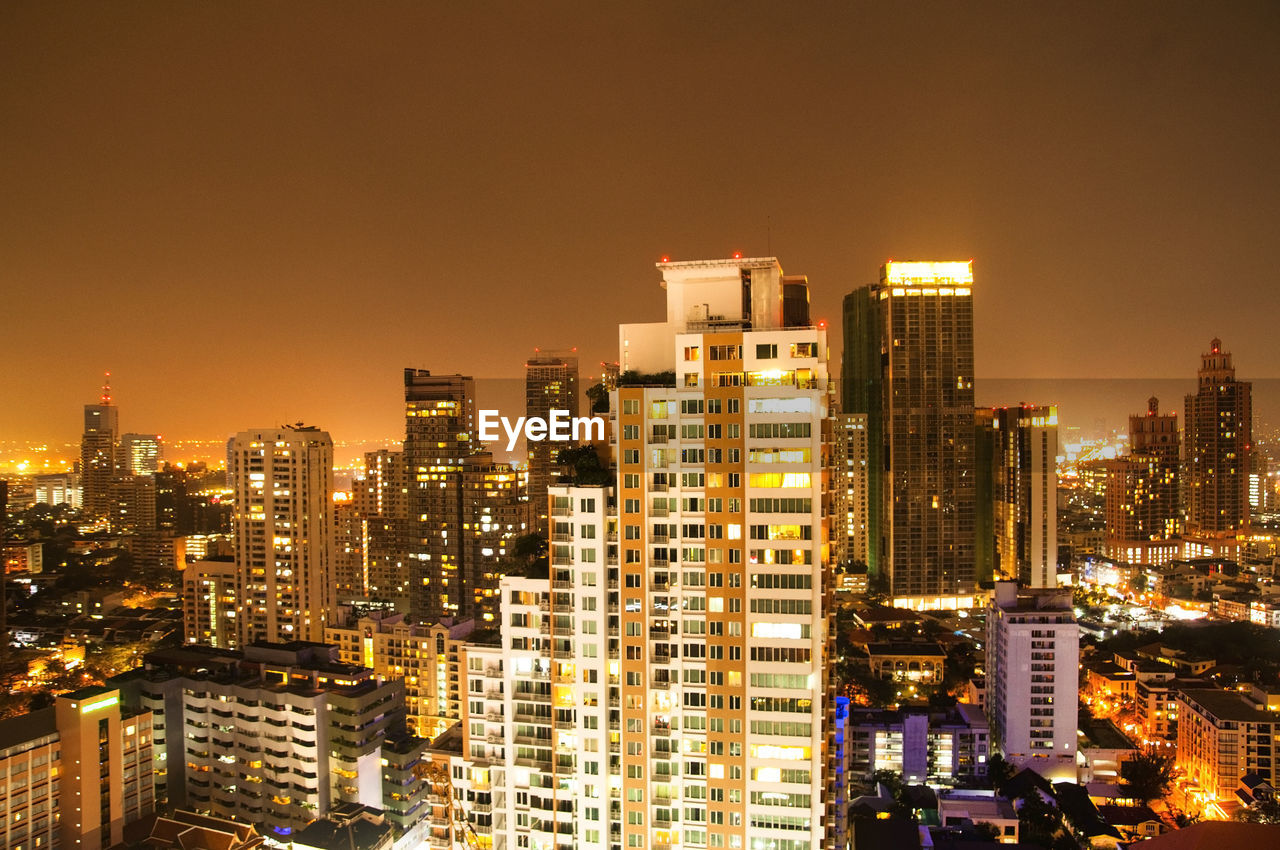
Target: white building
x=666, y=686
x=284, y=535
x=275, y=735
x=1033, y=660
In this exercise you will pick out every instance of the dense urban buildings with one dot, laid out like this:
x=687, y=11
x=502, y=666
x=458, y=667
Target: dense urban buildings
x=284, y=533
x=1219, y=435
x=908, y=366
x=550, y=383
x=1033, y=651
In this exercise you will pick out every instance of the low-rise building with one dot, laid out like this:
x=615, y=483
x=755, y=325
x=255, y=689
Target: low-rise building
x=919, y=745
x=918, y=663
x=1223, y=735
x=971, y=807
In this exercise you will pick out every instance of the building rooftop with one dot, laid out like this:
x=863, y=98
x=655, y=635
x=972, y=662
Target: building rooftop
x=27, y=727
x=1102, y=734
x=1217, y=834
x=906, y=648
x=1231, y=705
x=348, y=827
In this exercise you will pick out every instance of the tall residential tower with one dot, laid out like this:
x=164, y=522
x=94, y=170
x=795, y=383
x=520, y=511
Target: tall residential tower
x=1219, y=423
x=284, y=535
x=908, y=366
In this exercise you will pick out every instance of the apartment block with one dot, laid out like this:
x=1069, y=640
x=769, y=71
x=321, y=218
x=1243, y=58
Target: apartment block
x=75, y=773
x=273, y=735
x=426, y=658
x=1032, y=664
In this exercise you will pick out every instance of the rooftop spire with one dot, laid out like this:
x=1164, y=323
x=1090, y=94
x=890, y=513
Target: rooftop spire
x=106, y=388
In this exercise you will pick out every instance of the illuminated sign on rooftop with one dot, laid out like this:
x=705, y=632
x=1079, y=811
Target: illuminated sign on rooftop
x=105, y=702
x=921, y=273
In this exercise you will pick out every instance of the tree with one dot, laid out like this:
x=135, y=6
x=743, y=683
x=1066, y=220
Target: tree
x=1147, y=776
x=999, y=771
x=1261, y=811
x=599, y=398
x=986, y=831
x=877, y=585
x=585, y=466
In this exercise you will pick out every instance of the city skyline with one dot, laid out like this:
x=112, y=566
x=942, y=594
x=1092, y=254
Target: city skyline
x=337, y=168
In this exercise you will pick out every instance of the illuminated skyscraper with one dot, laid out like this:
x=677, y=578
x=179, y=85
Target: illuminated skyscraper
x=550, y=383
x=1219, y=430
x=1023, y=492
x=98, y=449
x=139, y=454
x=849, y=526
x=381, y=500
x=1142, y=496
x=908, y=366
x=284, y=535
x=685, y=629
x=440, y=434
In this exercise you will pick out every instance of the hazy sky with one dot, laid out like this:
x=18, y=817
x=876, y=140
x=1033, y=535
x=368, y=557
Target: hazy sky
x=255, y=213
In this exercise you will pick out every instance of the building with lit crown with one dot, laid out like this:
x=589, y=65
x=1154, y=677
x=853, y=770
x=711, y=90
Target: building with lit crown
x=908, y=366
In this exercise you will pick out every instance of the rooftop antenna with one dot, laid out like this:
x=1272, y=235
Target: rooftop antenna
x=106, y=389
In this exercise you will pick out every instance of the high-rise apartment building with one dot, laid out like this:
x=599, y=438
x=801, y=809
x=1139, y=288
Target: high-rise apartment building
x=426, y=658
x=211, y=602
x=1219, y=431
x=440, y=433
x=550, y=383
x=98, y=459
x=274, y=735
x=849, y=525
x=381, y=500
x=76, y=772
x=723, y=557
x=908, y=366
x=350, y=575
x=1023, y=448
x=139, y=454
x=1142, y=492
x=1033, y=659
x=494, y=515
x=284, y=535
